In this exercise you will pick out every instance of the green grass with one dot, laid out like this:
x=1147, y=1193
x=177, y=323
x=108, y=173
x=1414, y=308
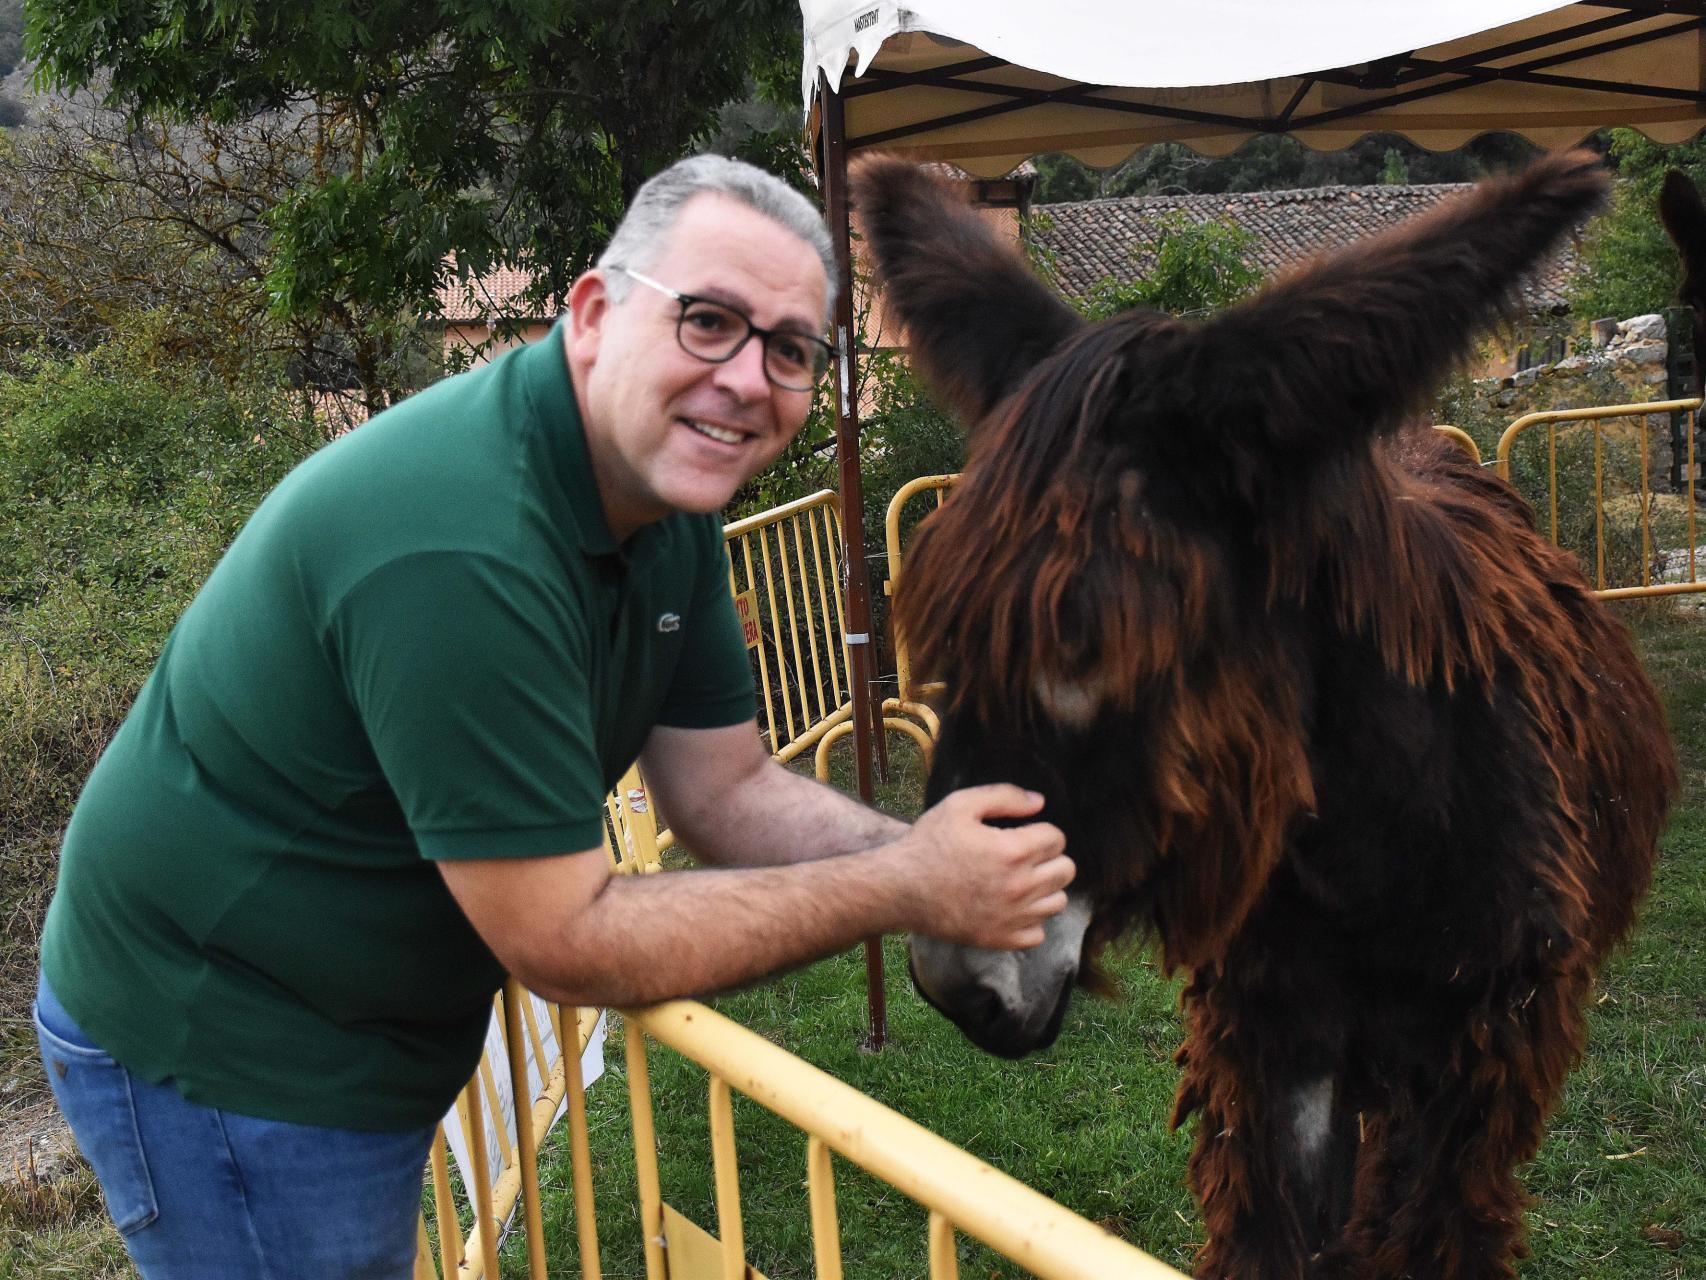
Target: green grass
x=1086, y=1121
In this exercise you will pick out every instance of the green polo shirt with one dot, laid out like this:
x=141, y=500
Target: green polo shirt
x=425, y=644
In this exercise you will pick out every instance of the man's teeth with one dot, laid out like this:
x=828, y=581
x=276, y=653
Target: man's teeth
x=716, y=433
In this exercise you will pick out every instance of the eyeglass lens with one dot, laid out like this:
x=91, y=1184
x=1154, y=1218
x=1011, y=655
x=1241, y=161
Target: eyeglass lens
x=715, y=333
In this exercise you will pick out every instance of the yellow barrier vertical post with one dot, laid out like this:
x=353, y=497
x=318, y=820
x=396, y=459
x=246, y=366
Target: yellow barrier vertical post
x=645, y=1151
x=943, y=1264
x=580, y=1145
x=485, y=1224
x=826, y=1232
x=449, y=1232
x=1691, y=496
x=527, y=1143
x=424, y=1269
x=727, y=1173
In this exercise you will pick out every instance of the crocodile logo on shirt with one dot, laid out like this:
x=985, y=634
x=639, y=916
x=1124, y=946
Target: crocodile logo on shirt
x=668, y=622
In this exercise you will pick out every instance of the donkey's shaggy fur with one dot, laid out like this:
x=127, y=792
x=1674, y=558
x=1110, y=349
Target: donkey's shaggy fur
x=1316, y=705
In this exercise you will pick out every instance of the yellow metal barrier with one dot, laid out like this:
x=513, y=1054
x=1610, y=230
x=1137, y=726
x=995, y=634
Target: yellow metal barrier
x=490, y=1197
x=785, y=573
x=1462, y=438
x=909, y=697
x=1646, y=499
x=961, y=1192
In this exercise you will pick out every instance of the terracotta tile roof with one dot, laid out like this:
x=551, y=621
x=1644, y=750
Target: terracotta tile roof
x=485, y=296
x=1091, y=240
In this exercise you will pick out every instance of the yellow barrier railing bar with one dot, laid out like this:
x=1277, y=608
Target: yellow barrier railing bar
x=1462, y=439
x=747, y=524
x=826, y=1232
x=938, y=484
x=925, y=737
x=1642, y=412
x=1023, y=1225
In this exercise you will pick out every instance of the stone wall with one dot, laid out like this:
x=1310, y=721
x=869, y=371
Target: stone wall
x=1625, y=365
x=1628, y=367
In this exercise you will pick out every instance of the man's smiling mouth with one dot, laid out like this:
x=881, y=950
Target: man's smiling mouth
x=720, y=434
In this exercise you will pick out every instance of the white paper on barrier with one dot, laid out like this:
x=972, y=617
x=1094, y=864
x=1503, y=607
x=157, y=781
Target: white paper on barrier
x=497, y=1053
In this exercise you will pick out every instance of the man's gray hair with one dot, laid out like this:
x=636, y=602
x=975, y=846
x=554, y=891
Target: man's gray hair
x=644, y=229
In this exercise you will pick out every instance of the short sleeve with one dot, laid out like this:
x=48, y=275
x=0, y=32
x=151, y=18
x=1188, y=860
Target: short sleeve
x=470, y=677
x=712, y=686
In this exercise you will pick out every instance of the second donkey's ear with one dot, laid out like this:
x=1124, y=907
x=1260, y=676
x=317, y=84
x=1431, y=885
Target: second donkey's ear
x=976, y=318
x=1684, y=216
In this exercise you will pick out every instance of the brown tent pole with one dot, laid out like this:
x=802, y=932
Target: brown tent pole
x=856, y=581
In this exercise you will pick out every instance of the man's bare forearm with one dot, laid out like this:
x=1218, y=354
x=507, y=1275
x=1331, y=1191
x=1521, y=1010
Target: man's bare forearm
x=650, y=938
x=775, y=816
x=574, y=932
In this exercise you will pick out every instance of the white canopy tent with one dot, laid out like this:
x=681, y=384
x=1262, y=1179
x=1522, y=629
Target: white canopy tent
x=986, y=84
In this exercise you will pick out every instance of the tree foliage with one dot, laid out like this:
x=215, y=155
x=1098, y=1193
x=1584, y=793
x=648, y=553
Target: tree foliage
x=504, y=133
x=1629, y=266
x=100, y=219
x=1194, y=267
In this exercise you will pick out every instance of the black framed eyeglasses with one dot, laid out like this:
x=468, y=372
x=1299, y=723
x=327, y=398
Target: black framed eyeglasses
x=715, y=333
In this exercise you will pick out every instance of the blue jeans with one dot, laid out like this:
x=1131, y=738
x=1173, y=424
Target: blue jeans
x=203, y=1194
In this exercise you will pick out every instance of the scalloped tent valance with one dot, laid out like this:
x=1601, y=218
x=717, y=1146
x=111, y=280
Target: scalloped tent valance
x=986, y=84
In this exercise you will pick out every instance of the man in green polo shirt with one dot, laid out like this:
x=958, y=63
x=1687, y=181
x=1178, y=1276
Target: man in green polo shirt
x=367, y=775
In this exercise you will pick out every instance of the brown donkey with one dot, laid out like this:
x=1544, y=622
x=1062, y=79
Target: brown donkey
x=1317, y=707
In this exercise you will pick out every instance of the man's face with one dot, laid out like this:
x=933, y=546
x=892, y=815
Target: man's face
x=666, y=430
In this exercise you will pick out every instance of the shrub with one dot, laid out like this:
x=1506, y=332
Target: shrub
x=124, y=473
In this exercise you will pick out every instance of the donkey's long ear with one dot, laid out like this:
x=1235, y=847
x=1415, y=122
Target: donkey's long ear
x=1684, y=216
x=1353, y=343
x=976, y=318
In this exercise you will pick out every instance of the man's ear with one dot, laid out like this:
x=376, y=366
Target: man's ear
x=976, y=318
x=1352, y=344
x=589, y=308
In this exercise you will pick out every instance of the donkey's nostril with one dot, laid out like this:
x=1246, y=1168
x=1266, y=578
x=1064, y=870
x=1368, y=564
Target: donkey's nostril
x=985, y=1008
